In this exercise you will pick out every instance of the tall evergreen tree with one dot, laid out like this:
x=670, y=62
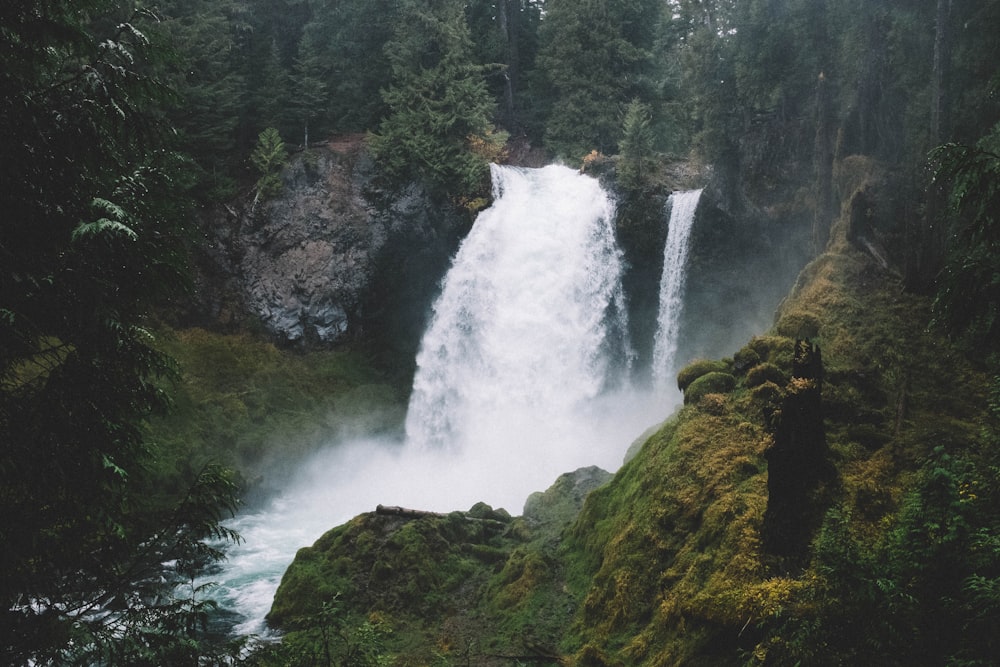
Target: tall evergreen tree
x=596, y=54
x=439, y=108
x=309, y=97
x=89, y=243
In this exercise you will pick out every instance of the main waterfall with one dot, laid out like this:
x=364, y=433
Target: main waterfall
x=531, y=318
x=675, y=254
x=521, y=376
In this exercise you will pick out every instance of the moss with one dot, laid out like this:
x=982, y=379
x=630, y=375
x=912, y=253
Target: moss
x=714, y=404
x=240, y=396
x=663, y=564
x=715, y=382
x=745, y=359
x=696, y=369
x=766, y=372
x=798, y=324
x=777, y=350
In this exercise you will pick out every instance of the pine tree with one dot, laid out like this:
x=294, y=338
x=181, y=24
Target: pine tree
x=439, y=108
x=596, y=54
x=90, y=241
x=269, y=156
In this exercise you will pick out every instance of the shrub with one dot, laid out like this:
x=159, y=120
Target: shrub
x=776, y=349
x=713, y=404
x=715, y=382
x=798, y=324
x=766, y=372
x=696, y=369
x=745, y=358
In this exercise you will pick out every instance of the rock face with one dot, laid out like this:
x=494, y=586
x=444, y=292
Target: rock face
x=321, y=261
x=298, y=265
x=561, y=502
x=307, y=256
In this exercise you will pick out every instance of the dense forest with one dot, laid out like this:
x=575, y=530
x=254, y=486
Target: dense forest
x=875, y=122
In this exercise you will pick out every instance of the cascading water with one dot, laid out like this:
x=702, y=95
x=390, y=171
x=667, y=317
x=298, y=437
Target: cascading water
x=675, y=254
x=515, y=383
x=520, y=333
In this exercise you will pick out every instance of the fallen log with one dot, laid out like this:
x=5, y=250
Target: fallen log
x=393, y=510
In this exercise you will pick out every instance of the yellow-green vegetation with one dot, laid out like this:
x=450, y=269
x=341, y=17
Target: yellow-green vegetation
x=697, y=369
x=667, y=563
x=249, y=405
x=673, y=568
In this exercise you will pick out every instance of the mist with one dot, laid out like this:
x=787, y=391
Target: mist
x=524, y=373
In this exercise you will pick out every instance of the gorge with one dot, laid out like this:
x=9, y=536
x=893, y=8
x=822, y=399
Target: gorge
x=524, y=373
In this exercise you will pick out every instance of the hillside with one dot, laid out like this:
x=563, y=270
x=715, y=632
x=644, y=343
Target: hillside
x=690, y=554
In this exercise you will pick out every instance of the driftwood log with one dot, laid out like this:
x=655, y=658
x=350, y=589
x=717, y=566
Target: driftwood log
x=395, y=510
x=392, y=510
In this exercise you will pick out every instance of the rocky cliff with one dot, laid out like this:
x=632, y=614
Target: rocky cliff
x=309, y=267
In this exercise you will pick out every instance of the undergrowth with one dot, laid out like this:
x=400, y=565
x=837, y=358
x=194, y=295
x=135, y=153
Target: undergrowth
x=258, y=409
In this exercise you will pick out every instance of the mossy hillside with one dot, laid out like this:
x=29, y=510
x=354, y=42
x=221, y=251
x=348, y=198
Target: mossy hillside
x=249, y=405
x=671, y=547
x=665, y=564
x=465, y=588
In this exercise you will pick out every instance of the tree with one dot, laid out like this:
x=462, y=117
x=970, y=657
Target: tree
x=269, y=157
x=505, y=34
x=309, y=90
x=968, y=298
x=90, y=241
x=596, y=54
x=438, y=127
x=636, y=146
x=210, y=86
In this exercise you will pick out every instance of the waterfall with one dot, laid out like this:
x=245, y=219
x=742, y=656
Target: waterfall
x=675, y=254
x=520, y=333
x=517, y=382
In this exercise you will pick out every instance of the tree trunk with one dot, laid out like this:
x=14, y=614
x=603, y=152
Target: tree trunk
x=941, y=47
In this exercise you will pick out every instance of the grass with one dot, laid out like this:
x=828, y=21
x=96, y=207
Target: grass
x=253, y=407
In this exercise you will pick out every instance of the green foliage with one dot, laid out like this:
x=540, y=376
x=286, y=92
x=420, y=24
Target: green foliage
x=636, y=147
x=438, y=103
x=715, y=382
x=595, y=56
x=269, y=157
x=93, y=200
x=696, y=369
x=968, y=299
x=258, y=408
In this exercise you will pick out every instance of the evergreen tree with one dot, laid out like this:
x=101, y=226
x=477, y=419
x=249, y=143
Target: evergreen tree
x=269, y=157
x=636, y=147
x=90, y=236
x=438, y=131
x=596, y=54
x=211, y=88
x=309, y=90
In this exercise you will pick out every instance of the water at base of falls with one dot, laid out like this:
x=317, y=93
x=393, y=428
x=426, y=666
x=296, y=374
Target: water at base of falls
x=519, y=379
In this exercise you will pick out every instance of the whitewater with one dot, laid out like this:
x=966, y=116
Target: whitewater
x=522, y=375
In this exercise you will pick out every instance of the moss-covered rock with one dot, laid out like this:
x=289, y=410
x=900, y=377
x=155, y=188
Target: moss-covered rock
x=664, y=563
x=696, y=369
x=798, y=324
x=715, y=382
x=766, y=372
x=745, y=359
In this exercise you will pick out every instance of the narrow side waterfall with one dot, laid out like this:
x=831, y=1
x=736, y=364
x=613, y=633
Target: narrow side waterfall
x=519, y=380
x=528, y=317
x=675, y=254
